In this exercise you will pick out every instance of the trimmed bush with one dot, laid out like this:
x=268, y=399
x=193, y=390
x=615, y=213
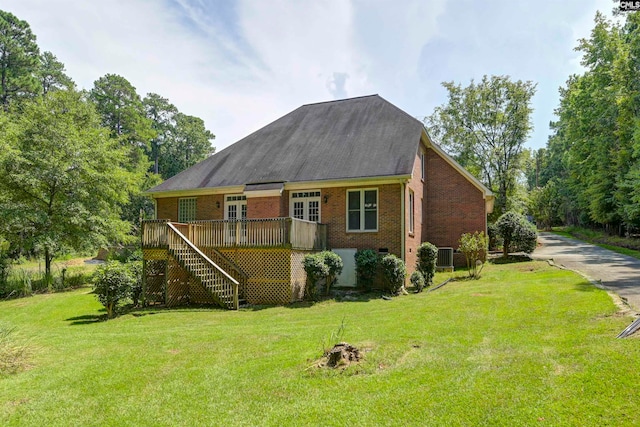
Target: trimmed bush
x=517, y=233
x=394, y=272
x=474, y=248
x=112, y=283
x=366, y=267
x=417, y=280
x=335, y=265
x=427, y=257
x=316, y=269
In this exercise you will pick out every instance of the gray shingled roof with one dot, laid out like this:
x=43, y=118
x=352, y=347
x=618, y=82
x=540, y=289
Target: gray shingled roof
x=351, y=138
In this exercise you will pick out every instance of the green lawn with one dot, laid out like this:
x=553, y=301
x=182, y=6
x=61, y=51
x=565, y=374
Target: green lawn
x=525, y=345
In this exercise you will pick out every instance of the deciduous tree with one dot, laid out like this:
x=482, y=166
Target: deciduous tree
x=190, y=143
x=62, y=177
x=484, y=126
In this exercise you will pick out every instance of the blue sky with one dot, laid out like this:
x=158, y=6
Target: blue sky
x=241, y=64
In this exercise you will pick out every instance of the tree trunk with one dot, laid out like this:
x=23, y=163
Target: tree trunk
x=48, y=257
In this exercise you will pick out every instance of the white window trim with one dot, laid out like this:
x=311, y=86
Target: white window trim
x=422, y=168
x=361, y=191
x=195, y=208
x=412, y=207
x=306, y=206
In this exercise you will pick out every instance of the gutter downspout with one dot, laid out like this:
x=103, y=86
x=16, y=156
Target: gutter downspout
x=402, y=221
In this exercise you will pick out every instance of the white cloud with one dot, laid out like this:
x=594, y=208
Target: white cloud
x=241, y=64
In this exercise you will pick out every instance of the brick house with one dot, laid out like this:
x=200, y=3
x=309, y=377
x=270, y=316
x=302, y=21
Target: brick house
x=346, y=175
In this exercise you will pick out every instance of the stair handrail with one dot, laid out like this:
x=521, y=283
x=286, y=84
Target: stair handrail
x=234, y=282
x=230, y=263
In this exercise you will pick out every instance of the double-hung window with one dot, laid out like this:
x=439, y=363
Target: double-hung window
x=187, y=209
x=362, y=210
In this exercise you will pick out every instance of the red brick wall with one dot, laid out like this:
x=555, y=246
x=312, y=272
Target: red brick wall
x=413, y=240
x=167, y=208
x=264, y=207
x=333, y=213
x=206, y=207
x=452, y=204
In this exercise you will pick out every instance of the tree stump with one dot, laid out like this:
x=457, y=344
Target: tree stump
x=342, y=354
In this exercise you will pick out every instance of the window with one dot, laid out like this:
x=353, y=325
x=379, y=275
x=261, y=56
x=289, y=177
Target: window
x=411, y=211
x=422, y=170
x=362, y=210
x=187, y=209
x=305, y=205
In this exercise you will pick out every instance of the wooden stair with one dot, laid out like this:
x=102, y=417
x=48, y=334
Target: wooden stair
x=221, y=285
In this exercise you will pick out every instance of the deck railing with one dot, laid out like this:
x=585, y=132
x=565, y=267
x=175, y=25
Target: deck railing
x=154, y=233
x=271, y=232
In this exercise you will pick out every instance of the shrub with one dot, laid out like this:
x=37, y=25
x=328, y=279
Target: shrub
x=394, y=272
x=135, y=268
x=474, y=248
x=333, y=261
x=427, y=258
x=366, y=267
x=126, y=254
x=417, y=280
x=517, y=233
x=316, y=269
x=112, y=283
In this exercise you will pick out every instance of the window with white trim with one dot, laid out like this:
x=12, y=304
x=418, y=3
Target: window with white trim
x=187, y=209
x=422, y=170
x=305, y=205
x=411, y=211
x=362, y=210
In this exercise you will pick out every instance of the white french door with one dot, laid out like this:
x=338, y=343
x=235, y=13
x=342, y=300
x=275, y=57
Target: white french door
x=235, y=208
x=305, y=205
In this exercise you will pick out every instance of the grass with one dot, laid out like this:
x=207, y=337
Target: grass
x=525, y=345
x=621, y=245
x=28, y=277
x=13, y=353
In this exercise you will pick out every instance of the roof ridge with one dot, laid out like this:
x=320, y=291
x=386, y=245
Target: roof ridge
x=342, y=100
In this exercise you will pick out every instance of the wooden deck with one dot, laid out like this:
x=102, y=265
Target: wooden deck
x=257, y=233
x=224, y=262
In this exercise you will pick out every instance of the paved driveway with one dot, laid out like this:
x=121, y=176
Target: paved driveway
x=619, y=273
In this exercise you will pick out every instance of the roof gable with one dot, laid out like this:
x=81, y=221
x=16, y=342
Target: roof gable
x=351, y=138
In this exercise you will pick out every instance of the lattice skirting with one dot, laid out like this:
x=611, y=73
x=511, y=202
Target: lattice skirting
x=155, y=275
x=275, y=275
